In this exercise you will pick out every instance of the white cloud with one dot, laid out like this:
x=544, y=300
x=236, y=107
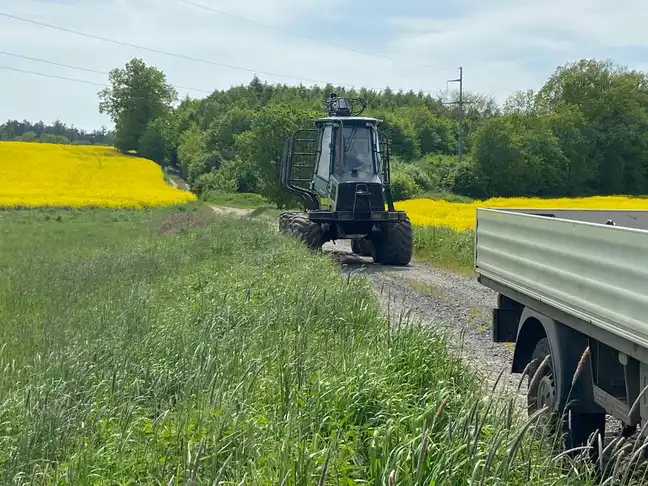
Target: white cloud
x=503, y=46
x=501, y=43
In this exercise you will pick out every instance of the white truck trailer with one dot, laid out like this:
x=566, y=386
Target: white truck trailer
x=568, y=280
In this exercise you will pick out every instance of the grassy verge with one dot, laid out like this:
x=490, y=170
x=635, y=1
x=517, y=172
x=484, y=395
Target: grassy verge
x=445, y=247
x=243, y=200
x=169, y=347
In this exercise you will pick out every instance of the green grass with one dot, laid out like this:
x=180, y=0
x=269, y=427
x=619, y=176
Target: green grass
x=173, y=347
x=243, y=200
x=445, y=247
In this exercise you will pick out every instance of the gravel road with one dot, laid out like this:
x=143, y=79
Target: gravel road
x=456, y=304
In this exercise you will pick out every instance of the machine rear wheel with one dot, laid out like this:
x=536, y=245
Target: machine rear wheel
x=394, y=244
x=361, y=247
x=311, y=233
x=284, y=221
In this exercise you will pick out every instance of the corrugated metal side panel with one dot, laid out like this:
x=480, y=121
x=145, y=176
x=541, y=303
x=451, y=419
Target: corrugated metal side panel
x=595, y=272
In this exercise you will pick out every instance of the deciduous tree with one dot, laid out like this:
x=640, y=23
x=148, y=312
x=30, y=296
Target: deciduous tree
x=137, y=95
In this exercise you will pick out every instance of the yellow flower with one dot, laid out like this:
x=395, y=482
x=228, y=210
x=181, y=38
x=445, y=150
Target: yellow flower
x=43, y=174
x=461, y=216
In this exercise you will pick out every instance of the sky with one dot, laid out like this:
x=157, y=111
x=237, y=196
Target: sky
x=502, y=45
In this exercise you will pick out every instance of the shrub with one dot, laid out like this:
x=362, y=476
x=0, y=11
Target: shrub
x=217, y=181
x=418, y=175
x=442, y=169
x=403, y=186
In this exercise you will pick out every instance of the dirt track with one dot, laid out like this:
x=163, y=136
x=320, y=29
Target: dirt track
x=224, y=210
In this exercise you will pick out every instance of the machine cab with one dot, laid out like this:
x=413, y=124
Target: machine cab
x=343, y=162
x=347, y=152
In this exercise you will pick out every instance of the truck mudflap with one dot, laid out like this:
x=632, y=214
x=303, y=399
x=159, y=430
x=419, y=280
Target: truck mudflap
x=506, y=319
x=505, y=324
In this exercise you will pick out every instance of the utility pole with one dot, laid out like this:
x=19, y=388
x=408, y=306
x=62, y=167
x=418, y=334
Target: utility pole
x=461, y=104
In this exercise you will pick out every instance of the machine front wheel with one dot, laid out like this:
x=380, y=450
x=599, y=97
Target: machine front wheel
x=394, y=244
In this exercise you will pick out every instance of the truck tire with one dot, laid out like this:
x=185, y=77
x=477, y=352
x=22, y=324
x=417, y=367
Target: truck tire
x=542, y=391
x=361, y=247
x=394, y=244
x=309, y=232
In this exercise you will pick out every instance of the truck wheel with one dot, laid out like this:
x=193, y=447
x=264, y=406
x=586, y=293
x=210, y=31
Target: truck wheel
x=543, y=392
x=309, y=232
x=394, y=243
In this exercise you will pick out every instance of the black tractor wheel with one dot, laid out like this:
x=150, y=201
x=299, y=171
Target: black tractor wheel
x=394, y=244
x=361, y=247
x=306, y=230
x=542, y=392
x=284, y=221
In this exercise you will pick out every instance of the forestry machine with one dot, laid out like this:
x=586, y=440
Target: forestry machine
x=340, y=170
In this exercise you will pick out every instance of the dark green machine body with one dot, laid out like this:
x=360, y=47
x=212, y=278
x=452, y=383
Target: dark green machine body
x=340, y=170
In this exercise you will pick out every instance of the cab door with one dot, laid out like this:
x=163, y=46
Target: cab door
x=324, y=157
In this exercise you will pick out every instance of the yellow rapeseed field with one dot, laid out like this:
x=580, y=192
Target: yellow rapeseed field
x=42, y=174
x=461, y=216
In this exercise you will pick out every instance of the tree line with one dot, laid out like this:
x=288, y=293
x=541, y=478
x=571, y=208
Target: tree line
x=583, y=133
x=57, y=132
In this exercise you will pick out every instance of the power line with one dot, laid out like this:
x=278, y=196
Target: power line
x=52, y=76
x=47, y=75
x=158, y=51
x=78, y=68
x=52, y=62
x=312, y=39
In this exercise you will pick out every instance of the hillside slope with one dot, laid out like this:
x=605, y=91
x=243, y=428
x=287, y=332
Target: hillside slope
x=42, y=174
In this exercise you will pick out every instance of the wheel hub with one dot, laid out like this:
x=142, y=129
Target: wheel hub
x=546, y=394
